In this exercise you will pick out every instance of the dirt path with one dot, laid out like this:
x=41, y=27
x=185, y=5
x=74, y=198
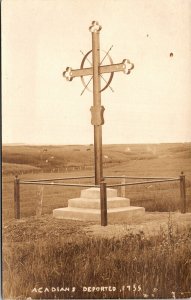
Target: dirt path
x=151, y=224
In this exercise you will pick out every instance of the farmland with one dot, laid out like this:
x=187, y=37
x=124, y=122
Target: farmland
x=54, y=254
x=34, y=162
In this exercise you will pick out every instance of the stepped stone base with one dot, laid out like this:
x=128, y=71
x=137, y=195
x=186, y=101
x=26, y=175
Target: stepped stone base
x=87, y=207
x=114, y=202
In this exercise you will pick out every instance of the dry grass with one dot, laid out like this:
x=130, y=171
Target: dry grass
x=136, y=265
x=156, y=197
x=52, y=253
x=11, y=168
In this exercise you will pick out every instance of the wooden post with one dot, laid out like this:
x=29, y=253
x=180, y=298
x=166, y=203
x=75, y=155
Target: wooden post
x=97, y=105
x=123, y=187
x=39, y=201
x=103, y=202
x=183, y=193
x=16, y=198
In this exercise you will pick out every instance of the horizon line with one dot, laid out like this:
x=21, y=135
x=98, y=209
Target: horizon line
x=87, y=144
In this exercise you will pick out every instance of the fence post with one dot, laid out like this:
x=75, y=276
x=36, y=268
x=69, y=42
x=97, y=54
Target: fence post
x=183, y=193
x=16, y=197
x=39, y=201
x=123, y=187
x=103, y=202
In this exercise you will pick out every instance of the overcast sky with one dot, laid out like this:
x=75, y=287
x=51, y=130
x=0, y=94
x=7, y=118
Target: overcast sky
x=40, y=38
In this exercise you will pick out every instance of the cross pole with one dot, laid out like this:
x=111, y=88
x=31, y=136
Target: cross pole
x=97, y=109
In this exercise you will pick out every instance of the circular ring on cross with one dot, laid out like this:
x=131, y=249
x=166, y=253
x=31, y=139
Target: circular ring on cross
x=107, y=82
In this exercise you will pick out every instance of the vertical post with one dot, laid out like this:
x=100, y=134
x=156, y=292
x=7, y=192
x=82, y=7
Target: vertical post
x=95, y=28
x=103, y=202
x=183, y=193
x=39, y=201
x=123, y=187
x=16, y=198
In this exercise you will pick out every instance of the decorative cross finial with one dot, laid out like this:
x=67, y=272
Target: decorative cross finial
x=95, y=27
x=127, y=65
x=68, y=74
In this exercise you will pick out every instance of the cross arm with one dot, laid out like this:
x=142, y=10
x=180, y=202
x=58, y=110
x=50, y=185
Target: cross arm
x=126, y=66
x=69, y=74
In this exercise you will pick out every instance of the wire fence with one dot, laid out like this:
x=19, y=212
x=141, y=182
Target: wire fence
x=102, y=186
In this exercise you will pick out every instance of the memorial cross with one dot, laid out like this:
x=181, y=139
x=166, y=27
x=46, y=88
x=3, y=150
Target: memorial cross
x=96, y=71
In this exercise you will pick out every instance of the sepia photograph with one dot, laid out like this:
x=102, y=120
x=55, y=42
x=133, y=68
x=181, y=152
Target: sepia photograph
x=96, y=149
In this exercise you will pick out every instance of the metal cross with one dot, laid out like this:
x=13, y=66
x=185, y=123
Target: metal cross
x=96, y=71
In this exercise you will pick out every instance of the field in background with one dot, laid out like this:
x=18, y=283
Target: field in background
x=33, y=162
x=66, y=158
x=41, y=253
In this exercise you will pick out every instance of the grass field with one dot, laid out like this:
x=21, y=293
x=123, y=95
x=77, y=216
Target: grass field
x=41, y=257
x=33, y=162
x=42, y=253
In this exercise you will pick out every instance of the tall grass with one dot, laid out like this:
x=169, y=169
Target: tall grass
x=134, y=266
x=162, y=197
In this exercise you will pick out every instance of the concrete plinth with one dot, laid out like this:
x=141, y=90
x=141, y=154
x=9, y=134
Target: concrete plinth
x=87, y=207
x=114, y=202
x=94, y=193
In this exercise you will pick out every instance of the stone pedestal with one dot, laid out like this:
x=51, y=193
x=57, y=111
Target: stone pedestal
x=87, y=207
